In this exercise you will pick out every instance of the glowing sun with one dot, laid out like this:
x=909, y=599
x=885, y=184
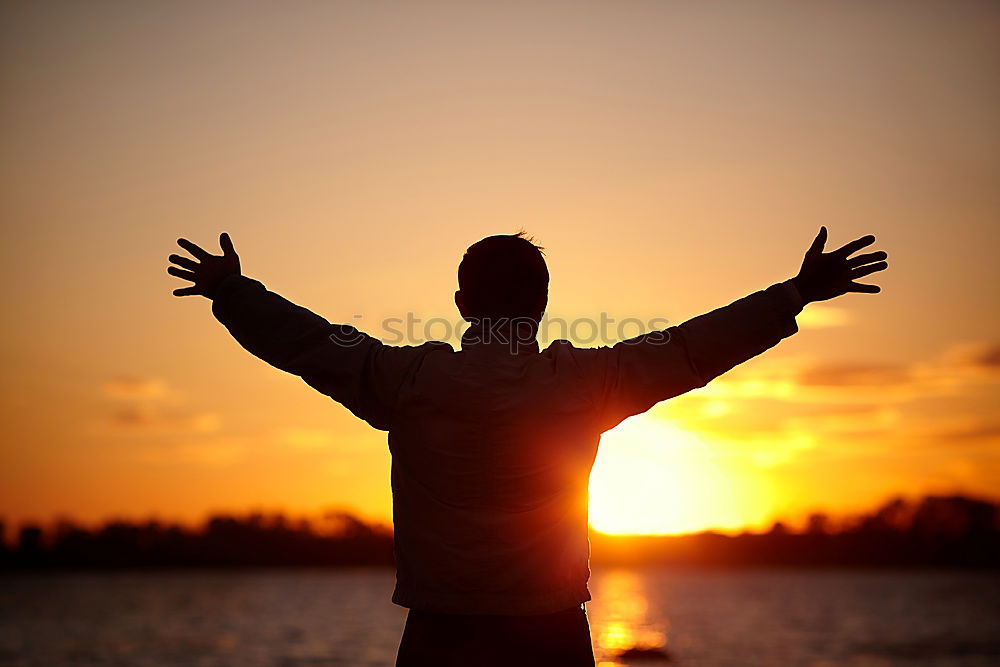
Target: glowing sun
x=651, y=477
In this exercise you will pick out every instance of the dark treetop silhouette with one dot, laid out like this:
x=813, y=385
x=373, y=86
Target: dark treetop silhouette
x=492, y=446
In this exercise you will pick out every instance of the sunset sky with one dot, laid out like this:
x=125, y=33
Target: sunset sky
x=671, y=157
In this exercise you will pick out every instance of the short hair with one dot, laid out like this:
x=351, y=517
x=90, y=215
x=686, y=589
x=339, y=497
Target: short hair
x=504, y=277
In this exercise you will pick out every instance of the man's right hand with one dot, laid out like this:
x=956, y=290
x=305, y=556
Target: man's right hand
x=209, y=271
x=827, y=275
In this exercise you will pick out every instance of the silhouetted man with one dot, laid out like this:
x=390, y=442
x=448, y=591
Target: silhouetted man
x=492, y=445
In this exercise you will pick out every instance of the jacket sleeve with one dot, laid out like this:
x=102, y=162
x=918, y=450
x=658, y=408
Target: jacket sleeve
x=338, y=360
x=637, y=373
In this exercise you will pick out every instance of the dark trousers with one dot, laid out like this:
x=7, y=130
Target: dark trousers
x=561, y=639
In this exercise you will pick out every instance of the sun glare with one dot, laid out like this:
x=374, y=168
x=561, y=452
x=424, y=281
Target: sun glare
x=651, y=477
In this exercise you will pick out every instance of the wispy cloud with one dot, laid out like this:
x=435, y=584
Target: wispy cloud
x=957, y=368
x=148, y=419
x=135, y=388
x=856, y=375
x=149, y=406
x=955, y=429
x=982, y=358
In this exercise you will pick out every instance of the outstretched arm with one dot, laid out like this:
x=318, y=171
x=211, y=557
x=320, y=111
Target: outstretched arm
x=726, y=337
x=337, y=360
x=645, y=370
x=269, y=326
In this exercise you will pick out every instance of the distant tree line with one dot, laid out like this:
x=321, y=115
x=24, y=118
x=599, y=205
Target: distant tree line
x=935, y=531
x=253, y=540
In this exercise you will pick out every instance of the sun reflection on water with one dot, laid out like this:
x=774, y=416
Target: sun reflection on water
x=620, y=622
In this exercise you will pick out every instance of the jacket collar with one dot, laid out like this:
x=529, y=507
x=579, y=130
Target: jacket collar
x=504, y=338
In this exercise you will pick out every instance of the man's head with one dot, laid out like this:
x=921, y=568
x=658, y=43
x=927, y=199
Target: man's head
x=503, y=277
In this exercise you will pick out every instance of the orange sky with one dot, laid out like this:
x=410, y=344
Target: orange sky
x=670, y=158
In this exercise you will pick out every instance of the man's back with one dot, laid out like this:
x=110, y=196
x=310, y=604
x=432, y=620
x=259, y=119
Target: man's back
x=491, y=453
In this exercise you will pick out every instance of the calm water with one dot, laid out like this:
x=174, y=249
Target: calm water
x=296, y=618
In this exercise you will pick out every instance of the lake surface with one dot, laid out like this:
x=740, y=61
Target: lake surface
x=344, y=617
